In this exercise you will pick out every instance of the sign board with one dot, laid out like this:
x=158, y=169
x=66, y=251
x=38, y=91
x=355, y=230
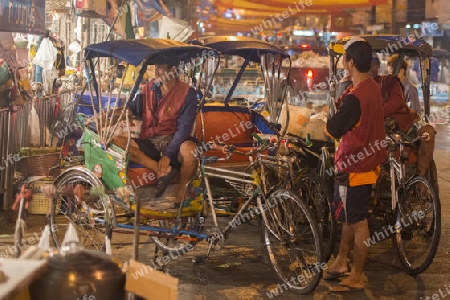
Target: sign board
x=24, y=16
x=149, y=283
x=431, y=29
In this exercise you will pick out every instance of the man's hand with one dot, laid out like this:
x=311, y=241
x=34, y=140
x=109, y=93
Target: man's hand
x=164, y=166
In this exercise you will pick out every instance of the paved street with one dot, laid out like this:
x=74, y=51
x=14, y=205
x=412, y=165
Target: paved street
x=237, y=271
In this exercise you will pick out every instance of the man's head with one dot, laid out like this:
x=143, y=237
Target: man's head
x=357, y=56
x=166, y=72
x=375, y=67
x=392, y=62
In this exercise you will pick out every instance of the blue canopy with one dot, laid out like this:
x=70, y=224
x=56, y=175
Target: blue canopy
x=246, y=47
x=151, y=50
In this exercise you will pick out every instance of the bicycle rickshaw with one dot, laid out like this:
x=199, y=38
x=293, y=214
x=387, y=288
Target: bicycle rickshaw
x=302, y=157
x=399, y=193
x=98, y=199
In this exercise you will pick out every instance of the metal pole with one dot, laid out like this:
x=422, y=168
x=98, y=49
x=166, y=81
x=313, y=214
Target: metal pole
x=394, y=16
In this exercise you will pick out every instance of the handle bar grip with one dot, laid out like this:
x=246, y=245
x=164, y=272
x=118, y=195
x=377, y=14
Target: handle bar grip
x=256, y=137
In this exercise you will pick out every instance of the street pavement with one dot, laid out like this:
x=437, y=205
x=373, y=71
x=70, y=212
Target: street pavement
x=238, y=271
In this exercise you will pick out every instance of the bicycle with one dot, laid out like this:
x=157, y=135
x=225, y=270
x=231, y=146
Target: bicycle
x=415, y=211
x=310, y=184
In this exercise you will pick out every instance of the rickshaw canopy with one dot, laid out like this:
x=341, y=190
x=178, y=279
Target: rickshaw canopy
x=388, y=44
x=246, y=47
x=149, y=51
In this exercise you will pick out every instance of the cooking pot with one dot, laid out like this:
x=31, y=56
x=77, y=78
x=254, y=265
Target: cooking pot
x=80, y=274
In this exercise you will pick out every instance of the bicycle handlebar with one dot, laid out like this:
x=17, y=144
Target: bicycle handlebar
x=397, y=139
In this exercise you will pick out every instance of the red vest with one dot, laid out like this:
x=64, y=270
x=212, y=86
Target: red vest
x=359, y=149
x=162, y=118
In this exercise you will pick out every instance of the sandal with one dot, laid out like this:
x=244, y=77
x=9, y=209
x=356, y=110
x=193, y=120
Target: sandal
x=331, y=275
x=163, y=182
x=342, y=288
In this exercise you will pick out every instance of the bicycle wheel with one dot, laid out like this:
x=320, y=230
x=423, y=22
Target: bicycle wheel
x=177, y=244
x=326, y=168
x=418, y=225
x=318, y=198
x=432, y=177
x=87, y=215
x=292, y=240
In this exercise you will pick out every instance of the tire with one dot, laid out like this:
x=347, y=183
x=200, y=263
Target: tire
x=419, y=213
x=318, y=197
x=326, y=168
x=88, y=217
x=175, y=243
x=296, y=258
x=432, y=177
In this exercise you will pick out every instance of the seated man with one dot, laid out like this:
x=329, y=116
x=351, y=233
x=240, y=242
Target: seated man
x=410, y=91
x=164, y=145
x=401, y=119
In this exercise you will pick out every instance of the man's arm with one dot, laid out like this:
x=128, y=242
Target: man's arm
x=346, y=117
x=185, y=123
x=391, y=88
x=414, y=98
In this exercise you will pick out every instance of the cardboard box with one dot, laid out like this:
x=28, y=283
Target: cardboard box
x=149, y=283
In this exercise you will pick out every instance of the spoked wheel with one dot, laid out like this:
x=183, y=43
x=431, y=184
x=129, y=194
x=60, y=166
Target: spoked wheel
x=318, y=198
x=177, y=244
x=418, y=224
x=326, y=168
x=168, y=240
x=86, y=213
x=432, y=177
x=292, y=240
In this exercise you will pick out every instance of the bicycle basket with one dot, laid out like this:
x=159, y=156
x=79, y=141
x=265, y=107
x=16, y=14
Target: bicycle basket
x=40, y=165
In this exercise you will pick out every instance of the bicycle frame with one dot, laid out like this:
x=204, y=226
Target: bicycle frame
x=397, y=167
x=253, y=178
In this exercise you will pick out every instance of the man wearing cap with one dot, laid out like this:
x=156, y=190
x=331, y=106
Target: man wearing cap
x=358, y=123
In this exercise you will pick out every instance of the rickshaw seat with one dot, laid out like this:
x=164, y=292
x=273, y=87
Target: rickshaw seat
x=234, y=125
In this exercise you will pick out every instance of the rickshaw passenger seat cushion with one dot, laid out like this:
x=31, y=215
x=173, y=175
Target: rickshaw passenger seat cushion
x=230, y=125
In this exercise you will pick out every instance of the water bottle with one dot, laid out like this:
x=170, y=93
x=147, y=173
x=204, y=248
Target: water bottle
x=308, y=140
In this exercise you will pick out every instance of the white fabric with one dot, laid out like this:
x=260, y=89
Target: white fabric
x=45, y=55
x=178, y=30
x=352, y=40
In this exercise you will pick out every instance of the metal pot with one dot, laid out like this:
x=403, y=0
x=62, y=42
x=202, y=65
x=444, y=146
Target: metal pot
x=80, y=275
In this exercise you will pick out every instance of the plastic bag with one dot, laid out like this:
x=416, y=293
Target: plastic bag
x=71, y=236
x=44, y=242
x=45, y=55
x=33, y=121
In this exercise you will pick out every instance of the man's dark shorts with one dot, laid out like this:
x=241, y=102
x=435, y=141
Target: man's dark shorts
x=351, y=203
x=153, y=148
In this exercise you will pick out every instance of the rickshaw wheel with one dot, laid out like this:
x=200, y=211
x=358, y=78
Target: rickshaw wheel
x=87, y=215
x=176, y=243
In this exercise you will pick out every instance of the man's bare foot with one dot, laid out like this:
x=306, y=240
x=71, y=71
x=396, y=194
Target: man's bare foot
x=348, y=284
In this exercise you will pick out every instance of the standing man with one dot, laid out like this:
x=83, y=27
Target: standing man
x=410, y=90
x=168, y=116
x=358, y=123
